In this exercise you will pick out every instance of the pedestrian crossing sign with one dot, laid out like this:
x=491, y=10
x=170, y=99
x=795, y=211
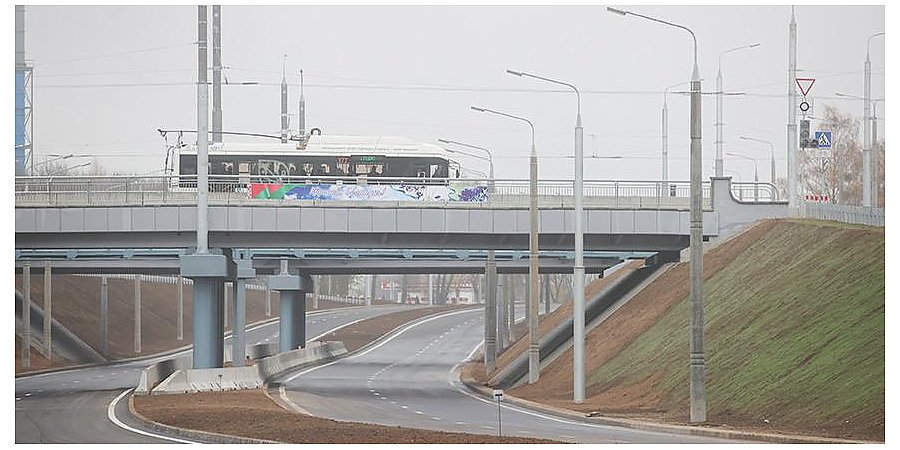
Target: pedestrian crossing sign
x=824, y=139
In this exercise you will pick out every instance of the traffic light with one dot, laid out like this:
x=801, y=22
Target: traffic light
x=805, y=142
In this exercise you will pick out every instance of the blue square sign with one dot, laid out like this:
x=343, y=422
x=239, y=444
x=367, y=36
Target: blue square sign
x=824, y=139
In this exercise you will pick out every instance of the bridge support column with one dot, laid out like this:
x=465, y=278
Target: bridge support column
x=268, y=300
x=26, y=315
x=370, y=289
x=490, y=312
x=179, y=325
x=104, y=315
x=502, y=312
x=545, y=293
x=315, y=304
x=512, y=289
x=244, y=272
x=208, y=271
x=137, y=313
x=48, y=317
x=292, y=323
x=227, y=289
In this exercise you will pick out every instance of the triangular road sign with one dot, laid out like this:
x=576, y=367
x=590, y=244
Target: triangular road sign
x=805, y=84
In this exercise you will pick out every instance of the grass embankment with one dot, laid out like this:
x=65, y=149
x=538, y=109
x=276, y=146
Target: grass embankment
x=794, y=336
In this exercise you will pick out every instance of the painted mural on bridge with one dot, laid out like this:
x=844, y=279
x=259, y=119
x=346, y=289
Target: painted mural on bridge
x=455, y=192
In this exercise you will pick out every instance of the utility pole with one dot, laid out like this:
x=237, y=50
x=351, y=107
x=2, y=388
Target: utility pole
x=284, y=103
x=301, y=117
x=217, y=74
x=792, y=117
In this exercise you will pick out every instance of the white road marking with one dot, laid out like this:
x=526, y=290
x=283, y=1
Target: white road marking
x=111, y=414
x=28, y=394
x=419, y=412
x=436, y=418
x=393, y=402
x=460, y=423
x=487, y=427
x=18, y=398
x=404, y=406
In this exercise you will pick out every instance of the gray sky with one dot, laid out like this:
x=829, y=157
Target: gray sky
x=414, y=71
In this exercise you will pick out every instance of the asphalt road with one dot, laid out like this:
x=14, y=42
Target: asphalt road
x=71, y=406
x=410, y=381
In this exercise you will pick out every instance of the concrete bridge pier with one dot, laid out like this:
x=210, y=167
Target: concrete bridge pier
x=208, y=271
x=490, y=312
x=243, y=271
x=502, y=311
x=292, y=323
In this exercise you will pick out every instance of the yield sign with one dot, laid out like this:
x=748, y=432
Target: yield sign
x=805, y=84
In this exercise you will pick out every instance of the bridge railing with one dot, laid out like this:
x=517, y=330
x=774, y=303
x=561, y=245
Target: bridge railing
x=237, y=190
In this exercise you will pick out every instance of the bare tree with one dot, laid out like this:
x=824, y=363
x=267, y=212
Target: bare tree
x=838, y=176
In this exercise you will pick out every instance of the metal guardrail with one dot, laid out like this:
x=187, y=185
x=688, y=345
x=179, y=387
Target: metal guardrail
x=233, y=190
x=862, y=215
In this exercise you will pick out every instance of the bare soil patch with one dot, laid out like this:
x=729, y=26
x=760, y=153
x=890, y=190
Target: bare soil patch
x=361, y=333
x=254, y=415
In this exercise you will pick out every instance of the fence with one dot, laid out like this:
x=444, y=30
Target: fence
x=863, y=215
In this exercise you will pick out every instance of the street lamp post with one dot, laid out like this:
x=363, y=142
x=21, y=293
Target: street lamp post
x=869, y=192
x=665, y=131
x=868, y=142
x=755, y=173
x=697, y=356
x=578, y=303
x=720, y=108
x=534, y=363
x=489, y=158
x=490, y=351
x=771, y=155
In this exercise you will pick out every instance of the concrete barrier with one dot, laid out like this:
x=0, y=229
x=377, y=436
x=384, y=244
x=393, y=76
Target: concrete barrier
x=156, y=373
x=177, y=380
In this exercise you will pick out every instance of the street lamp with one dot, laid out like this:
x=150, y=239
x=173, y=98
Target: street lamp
x=698, y=356
x=755, y=173
x=771, y=154
x=491, y=264
x=720, y=108
x=874, y=127
x=665, y=131
x=578, y=303
x=533, y=346
x=489, y=159
x=869, y=192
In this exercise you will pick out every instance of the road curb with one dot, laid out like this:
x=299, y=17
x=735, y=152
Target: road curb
x=187, y=433
x=484, y=391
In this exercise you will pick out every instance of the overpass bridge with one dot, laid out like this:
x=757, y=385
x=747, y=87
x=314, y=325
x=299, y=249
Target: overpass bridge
x=84, y=214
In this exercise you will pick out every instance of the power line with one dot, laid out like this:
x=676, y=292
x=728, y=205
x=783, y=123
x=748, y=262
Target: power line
x=112, y=55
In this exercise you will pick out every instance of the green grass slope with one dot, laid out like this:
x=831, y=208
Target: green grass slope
x=794, y=335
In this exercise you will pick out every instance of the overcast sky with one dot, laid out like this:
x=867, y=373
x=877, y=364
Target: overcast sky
x=106, y=77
